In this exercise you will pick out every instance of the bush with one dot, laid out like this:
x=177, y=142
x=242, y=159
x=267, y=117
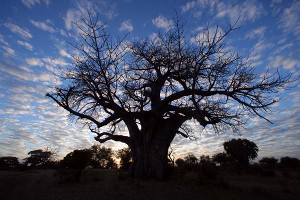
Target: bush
x=77, y=161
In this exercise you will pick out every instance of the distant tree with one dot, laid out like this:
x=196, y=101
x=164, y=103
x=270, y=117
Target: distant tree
x=268, y=161
x=221, y=158
x=9, y=163
x=191, y=160
x=77, y=161
x=180, y=162
x=242, y=150
x=288, y=162
x=204, y=159
x=39, y=157
x=125, y=158
x=102, y=157
x=154, y=86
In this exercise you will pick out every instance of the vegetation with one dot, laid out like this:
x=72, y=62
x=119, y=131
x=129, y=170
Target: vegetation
x=241, y=150
x=102, y=157
x=9, y=162
x=40, y=158
x=77, y=161
x=154, y=86
x=125, y=158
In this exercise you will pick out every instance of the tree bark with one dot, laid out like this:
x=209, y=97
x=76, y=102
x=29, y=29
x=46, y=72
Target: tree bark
x=150, y=160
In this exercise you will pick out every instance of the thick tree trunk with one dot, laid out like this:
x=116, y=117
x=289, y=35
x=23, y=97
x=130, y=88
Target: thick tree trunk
x=150, y=159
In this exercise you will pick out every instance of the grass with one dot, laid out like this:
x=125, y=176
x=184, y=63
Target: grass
x=114, y=184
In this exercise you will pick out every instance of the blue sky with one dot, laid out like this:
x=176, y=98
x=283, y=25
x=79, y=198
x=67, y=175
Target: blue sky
x=34, y=45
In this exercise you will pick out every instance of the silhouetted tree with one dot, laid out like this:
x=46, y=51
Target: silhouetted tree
x=39, y=157
x=102, y=157
x=191, y=161
x=269, y=162
x=180, y=162
x=242, y=150
x=288, y=162
x=221, y=158
x=125, y=158
x=77, y=161
x=204, y=159
x=153, y=86
x=9, y=163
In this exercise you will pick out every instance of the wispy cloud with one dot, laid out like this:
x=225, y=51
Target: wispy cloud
x=26, y=45
x=34, y=62
x=24, y=33
x=126, y=26
x=63, y=53
x=8, y=51
x=162, y=22
x=290, y=19
x=259, y=32
x=42, y=25
x=3, y=41
x=285, y=62
x=31, y=3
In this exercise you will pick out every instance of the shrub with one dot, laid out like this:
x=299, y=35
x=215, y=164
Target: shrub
x=77, y=161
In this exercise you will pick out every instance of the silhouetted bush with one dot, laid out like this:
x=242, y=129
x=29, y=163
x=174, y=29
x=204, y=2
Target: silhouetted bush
x=8, y=163
x=76, y=162
x=291, y=163
x=269, y=162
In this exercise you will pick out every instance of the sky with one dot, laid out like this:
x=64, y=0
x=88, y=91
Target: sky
x=35, y=38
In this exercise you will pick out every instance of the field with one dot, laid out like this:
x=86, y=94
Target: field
x=113, y=184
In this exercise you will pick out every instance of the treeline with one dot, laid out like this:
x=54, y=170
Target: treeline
x=98, y=157
x=237, y=155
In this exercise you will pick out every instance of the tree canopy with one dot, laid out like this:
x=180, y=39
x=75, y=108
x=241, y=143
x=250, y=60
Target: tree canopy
x=242, y=150
x=153, y=86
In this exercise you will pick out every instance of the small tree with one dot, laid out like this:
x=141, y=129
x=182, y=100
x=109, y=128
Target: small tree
x=126, y=158
x=288, y=162
x=77, y=161
x=191, y=161
x=221, y=158
x=268, y=162
x=39, y=157
x=180, y=162
x=242, y=150
x=102, y=157
x=9, y=163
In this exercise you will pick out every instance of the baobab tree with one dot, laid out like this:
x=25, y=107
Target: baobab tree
x=154, y=86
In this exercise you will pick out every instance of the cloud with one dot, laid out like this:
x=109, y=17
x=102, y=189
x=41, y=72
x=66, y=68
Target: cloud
x=63, y=53
x=126, y=26
x=31, y=3
x=283, y=61
x=162, y=22
x=290, y=19
x=18, y=30
x=245, y=11
x=34, y=62
x=43, y=26
x=26, y=45
x=248, y=10
x=3, y=41
x=259, y=32
x=8, y=51
x=94, y=7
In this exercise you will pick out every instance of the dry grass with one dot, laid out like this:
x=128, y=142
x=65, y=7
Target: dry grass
x=111, y=184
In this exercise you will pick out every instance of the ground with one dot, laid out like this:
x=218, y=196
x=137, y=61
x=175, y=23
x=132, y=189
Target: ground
x=113, y=184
